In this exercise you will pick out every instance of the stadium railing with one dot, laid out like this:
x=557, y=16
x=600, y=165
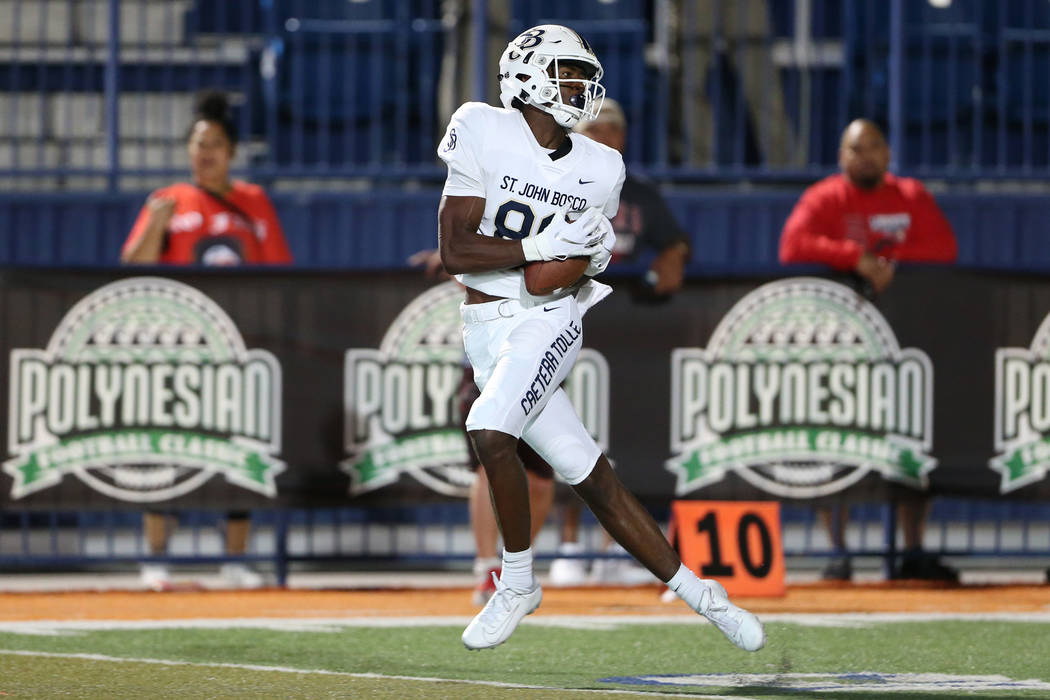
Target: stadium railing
x=438, y=535
x=733, y=232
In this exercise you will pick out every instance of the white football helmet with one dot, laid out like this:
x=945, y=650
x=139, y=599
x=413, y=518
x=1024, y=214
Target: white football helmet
x=524, y=66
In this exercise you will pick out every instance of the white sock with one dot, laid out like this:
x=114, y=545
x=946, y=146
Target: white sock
x=689, y=588
x=517, y=570
x=483, y=564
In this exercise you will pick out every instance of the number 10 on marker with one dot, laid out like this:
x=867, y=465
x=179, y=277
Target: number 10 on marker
x=736, y=542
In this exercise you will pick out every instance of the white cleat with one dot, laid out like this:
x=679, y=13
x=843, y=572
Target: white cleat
x=500, y=616
x=739, y=626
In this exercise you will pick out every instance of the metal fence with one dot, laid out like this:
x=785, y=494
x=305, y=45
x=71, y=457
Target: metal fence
x=438, y=535
x=98, y=93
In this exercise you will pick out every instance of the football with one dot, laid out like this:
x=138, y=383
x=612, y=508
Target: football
x=544, y=276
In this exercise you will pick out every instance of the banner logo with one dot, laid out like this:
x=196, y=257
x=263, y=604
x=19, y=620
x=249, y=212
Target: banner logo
x=802, y=391
x=1022, y=412
x=145, y=391
x=402, y=406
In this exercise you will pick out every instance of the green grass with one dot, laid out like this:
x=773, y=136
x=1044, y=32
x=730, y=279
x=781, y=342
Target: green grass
x=552, y=657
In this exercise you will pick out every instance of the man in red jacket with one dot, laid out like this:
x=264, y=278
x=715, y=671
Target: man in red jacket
x=865, y=220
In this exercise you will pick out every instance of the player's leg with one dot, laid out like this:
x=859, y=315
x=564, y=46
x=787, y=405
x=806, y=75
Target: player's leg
x=482, y=515
x=479, y=502
x=486, y=538
x=626, y=520
x=508, y=485
x=630, y=524
x=483, y=518
x=519, y=358
x=519, y=362
x=560, y=438
x=541, y=487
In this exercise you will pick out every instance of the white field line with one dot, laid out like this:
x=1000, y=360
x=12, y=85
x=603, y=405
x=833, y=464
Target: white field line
x=587, y=622
x=346, y=674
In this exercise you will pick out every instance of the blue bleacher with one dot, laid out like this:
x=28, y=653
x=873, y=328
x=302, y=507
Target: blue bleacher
x=227, y=17
x=976, y=78
x=356, y=84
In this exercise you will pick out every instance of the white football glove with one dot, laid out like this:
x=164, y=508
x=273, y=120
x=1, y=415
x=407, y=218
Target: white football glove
x=562, y=239
x=603, y=254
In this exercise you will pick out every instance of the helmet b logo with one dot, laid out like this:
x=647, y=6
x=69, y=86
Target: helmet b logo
x=530, y=39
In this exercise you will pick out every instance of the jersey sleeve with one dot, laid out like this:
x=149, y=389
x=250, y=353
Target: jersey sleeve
x=274, y=245
x=612, y=204
x=930, y=237
x=460, y=148
x=809, y=234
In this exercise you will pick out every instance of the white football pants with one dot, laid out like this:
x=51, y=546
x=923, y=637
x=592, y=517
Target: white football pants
x=520, y=358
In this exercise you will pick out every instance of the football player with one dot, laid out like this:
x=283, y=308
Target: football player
x=521, y=188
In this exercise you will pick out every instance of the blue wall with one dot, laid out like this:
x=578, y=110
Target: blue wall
x=733, y=233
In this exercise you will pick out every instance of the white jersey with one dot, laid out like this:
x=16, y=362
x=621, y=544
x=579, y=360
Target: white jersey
x=492, y=153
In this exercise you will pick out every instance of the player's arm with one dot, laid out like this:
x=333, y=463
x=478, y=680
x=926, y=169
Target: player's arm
x=462, y=207
x=462, y=248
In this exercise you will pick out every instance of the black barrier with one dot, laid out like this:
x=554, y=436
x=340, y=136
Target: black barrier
x=211, y=389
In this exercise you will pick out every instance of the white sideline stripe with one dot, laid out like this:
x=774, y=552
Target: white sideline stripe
x=585, y=622
x=347, y=674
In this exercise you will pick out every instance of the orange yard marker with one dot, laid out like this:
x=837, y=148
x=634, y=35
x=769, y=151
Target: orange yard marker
x=735, y=542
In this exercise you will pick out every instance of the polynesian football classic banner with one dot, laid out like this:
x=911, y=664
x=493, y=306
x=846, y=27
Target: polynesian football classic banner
x=1022, y=412
x=145, y=391
x=802, y=390
x=240, y=389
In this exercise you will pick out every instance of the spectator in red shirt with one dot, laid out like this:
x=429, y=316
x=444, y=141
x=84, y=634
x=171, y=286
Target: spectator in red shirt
x=212, y=220
x=866, y=220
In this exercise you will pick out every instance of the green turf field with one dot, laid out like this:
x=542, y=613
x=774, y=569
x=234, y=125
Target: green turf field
x=942, y=659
